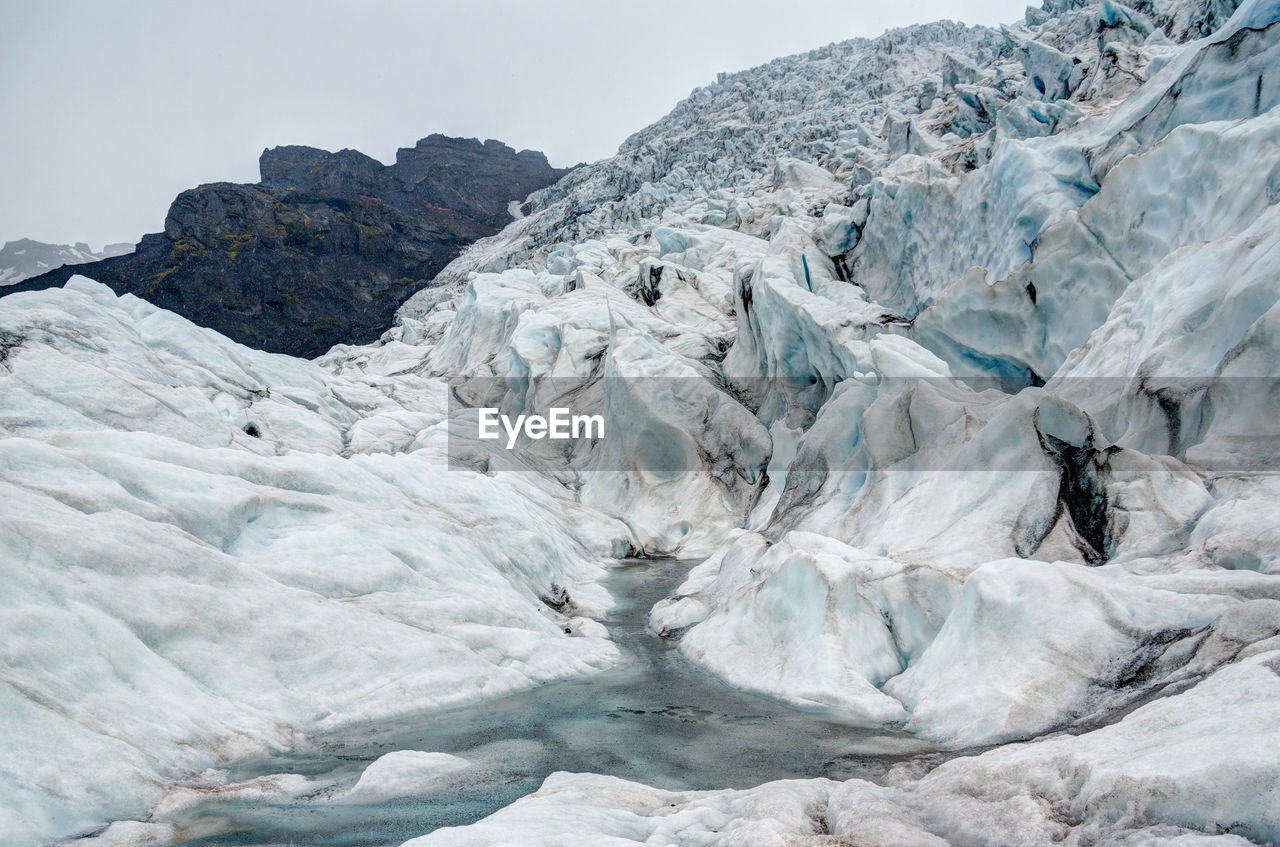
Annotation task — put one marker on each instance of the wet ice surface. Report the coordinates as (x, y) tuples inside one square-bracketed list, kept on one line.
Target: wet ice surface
[(656, 719)]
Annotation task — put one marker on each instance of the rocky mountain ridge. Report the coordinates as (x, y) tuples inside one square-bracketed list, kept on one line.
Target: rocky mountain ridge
[(325, 248)]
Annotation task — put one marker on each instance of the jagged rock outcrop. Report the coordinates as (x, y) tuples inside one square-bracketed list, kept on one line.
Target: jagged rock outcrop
[(325, 248)]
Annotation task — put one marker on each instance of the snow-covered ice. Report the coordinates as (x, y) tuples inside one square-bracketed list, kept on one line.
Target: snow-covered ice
[(180, 591), (403, 773), (953, 354)]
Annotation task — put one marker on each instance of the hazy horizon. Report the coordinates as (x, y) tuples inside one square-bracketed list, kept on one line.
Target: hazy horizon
[(111, 113)]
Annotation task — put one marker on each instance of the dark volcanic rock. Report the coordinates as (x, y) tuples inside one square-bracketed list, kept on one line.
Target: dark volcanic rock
[(326, 247)]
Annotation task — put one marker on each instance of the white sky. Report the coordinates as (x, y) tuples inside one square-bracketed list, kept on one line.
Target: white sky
[(109, 110)]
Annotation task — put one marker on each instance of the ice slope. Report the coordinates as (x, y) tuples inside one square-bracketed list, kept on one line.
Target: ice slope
[(868, 112), (180, 592)]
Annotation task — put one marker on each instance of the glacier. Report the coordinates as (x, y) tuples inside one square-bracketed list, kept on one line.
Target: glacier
[(951, 356)]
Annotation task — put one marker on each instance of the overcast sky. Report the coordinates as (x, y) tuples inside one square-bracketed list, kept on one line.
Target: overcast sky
[(110, 109)]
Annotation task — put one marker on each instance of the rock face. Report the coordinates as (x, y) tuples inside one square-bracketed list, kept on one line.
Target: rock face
[(25, 258), (327, 246)]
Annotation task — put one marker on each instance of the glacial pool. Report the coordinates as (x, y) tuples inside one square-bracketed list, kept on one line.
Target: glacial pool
[(656, 719)]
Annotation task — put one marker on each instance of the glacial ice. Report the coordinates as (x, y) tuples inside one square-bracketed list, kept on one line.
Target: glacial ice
[(402, 774), (1181, 770), (952, 353), (933, 560), (179, 592)]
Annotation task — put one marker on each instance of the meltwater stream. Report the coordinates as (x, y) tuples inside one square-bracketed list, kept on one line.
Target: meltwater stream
[(656, 719)]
